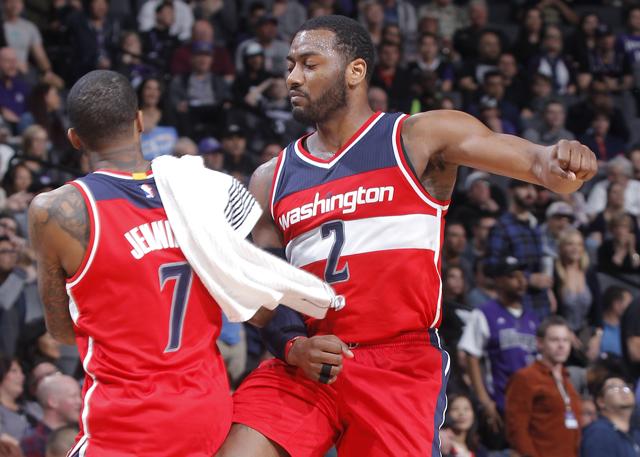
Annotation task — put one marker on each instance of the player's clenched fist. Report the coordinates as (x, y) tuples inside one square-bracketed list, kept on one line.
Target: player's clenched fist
[(573, 161), (320, 357)]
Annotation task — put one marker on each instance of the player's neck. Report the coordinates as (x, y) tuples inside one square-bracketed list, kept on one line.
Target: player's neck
[(335, 132), (122, 157)]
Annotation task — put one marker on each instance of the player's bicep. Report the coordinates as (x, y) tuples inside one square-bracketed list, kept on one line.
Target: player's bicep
[(265, 233)]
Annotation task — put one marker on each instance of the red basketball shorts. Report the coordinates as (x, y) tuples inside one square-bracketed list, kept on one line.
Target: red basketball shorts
[(389, 400)]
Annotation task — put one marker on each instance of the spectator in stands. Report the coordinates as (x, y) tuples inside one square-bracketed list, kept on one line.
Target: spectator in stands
[(589, 411), (270, 151), (59, 396), (476, 202), (619, 254), (394, 79), (106, 30), (199, 97), (253, 75), (529, 40), (130, 60), (185, 146), (551, 129), (291, 15), (615, 302), (237, 159), (429, 59), (24, 37), (461, 428), (480, 227), (465, 39), (13, 89), (275, 50), (450, 17), (541, 405), (501, 332), (13, 306), (45, 108), (577, 289), (599, 139), (484, 290), (599, 99), (607, 61), (373, 19), (598, 229), (14, 422), (634, 157), (552, 61), (182, 25), (515, 87), (559, 217), (629, 43), (402, 14), (222, 64), (541, 93), (517, 233), (490, 114), (631, 338), (455, 241), (473, 71), (17, 184), (159, 43), (212, 154), (583, 40), (611, 434), (378, 99), (493, 87), (60, 441), (555, 12), (158, 136), (619, 171), (35, 154), (39, 370)]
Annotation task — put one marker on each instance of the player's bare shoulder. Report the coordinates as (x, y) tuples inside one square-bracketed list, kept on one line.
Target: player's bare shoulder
[(262, 180), (63, 208)]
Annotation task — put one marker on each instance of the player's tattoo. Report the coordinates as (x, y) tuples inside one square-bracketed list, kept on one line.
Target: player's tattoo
[(67, 209), (56, 300)]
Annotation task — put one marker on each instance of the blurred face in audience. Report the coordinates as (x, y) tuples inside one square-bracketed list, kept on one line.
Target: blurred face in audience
[(554, 115), (270, 151), (378, 99), (39, 372), (589, 412), (607, 43), (267, 32), (634, 156), (494, 86), (8, 257), (600, 125), (391, 33), (99, 9), (571, 247), (558, 223), (131, 44), (541, 87), (552, 42), (489, 47), (555, 346), (533, 20), (151, 93), (615, 196), (507, 66), (512, 286), (12, 384), (428, 24), (429, 49), (389, 56), (478, 15), (374, 14), (600, 95), (235, 145), (455, 239), (590, 24), (38, 142), (634, 20), (8, 227), (52, 100), (165, 17), (482, 228), (461, 415), (616, 396), (524, 196), (278, 89), (13, 8), (22, 179), (201, 63), (454, 282), (49, 346), (621, 227), (617, 173), (8, 63), (202, 31)]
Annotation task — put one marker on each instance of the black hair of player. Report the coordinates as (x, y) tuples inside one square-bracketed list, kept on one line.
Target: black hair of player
[(102, 107), (351, 38)]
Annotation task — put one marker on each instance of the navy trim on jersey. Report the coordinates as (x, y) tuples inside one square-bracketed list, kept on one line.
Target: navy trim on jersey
[(141, 193), (373, 151)]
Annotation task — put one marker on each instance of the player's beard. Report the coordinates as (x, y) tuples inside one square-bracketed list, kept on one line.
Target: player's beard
[(318, 111)]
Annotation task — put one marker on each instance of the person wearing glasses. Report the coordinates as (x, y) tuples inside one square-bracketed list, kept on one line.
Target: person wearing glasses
[(611, 434)]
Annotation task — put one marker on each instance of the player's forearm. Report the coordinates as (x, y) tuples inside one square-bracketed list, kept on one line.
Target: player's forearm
[(284, 325)]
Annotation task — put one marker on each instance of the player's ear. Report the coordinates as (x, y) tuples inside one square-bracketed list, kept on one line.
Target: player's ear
[(356, 72), (139, 122), (74, 139)]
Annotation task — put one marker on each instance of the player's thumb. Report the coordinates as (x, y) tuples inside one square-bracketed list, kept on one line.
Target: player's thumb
[(346, 351)]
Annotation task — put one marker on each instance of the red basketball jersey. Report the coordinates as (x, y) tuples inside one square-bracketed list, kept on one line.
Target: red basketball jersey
[(364, 223), (146, 329)]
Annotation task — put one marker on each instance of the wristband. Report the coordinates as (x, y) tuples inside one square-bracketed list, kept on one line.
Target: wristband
[(289, 345)]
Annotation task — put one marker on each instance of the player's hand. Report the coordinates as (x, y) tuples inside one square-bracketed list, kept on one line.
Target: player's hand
[(572, 161), (310, 354)]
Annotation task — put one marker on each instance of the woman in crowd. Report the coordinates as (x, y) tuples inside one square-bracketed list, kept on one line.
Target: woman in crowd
[(529, 38), (459, 437), (45, 105), (17, 184), (598, 229), (619, 254), (158, 137), (13, 420), (581, 42)]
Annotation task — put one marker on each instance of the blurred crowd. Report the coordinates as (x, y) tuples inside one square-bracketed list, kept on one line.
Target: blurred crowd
[(540, 291)]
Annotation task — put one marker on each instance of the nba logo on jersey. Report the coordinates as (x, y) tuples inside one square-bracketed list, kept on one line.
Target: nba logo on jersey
[(148, 190)]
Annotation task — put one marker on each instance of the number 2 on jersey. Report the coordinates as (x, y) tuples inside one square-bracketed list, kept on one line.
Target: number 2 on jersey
[(182, 274), (330, 273)]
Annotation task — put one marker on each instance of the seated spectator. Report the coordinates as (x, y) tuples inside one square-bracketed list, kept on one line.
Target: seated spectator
[(494, 88), (13, 90), (275, 50), (252, 76), (270, 151), (158, 135), (394, 79), (212, 154), (555, 12), (615, 302), (619, 171), (450, 17), (476, 202), (541, 405), (222, 64), (24, 37), (40, 369), (619, 254), (477, 247), (378, 99), (582, 41), (199, 97), (60, 441), (629, 44), (502, 332), (529, 39), (600, 141), (401, 14), (182, 25), (552, 61), (611, 433), (185, 147), (59, 396), (599, 100), (634, 157), (45, 108), (159, 43), (14, 422), (13, 281), (551, 129), (291, 15), (484, 290), (35, 155), (515, 87), (607, 61), (372, 17), (589, 412), (465, 39), (460, 428), (541, 93), (490, 114), (473, 71), (130, 60), (598, 230), (429, 59), (559, 217), (237, 159), (455, 241), (17, 184)]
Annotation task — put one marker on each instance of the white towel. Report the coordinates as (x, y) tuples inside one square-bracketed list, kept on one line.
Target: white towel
[(211, 213)]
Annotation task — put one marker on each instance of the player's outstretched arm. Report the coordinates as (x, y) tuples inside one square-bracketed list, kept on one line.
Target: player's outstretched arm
[(59, 232), (461, 139)]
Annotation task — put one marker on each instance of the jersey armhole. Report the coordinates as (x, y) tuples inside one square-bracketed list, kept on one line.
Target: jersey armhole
[(94, 233)]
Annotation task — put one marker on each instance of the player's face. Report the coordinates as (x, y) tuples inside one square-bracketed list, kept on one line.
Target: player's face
[(315, 77), (556, 344)]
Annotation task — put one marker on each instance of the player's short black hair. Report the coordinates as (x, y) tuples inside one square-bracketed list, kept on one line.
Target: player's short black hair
[(102, 106), (352, 40)]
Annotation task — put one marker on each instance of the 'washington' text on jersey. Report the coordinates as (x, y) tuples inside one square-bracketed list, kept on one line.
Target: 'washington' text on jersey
[(146, 238), (347, 201)]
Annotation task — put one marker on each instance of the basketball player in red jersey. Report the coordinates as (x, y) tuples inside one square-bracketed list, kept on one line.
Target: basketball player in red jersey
[(360, 202), (114, 281)]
